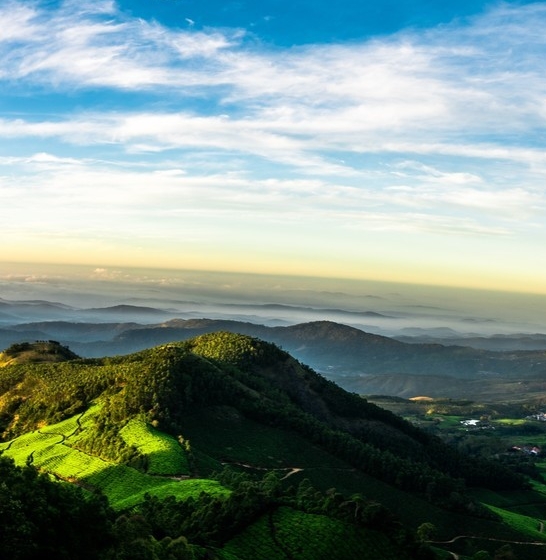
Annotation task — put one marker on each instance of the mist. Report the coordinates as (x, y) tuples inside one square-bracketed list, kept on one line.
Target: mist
[(376, 307)]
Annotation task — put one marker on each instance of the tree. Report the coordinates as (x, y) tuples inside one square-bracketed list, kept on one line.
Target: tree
[(41, 518), (426, 531)]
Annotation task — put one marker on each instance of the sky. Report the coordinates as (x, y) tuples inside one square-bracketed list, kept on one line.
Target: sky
[(399, 141)]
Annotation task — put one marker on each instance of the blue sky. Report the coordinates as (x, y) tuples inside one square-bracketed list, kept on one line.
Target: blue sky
[(296, 22), (400, 141)]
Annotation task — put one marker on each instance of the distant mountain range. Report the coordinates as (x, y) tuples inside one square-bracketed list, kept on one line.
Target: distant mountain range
[(496, 342), (12, 312), (414, 363)]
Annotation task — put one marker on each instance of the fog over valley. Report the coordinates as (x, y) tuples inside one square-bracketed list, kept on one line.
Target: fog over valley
[(85, 294)]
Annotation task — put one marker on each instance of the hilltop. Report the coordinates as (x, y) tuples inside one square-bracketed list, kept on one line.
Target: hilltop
[(359, 361), (36, 352), (244, 437)]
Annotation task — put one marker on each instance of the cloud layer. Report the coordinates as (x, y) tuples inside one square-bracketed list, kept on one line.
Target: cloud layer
[(123, 134)]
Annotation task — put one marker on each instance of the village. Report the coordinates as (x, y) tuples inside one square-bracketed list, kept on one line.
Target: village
[(527, 449)]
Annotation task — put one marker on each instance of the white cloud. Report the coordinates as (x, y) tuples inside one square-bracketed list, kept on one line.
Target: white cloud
[(21, 27), (448, 84), (422, 133), (56, 194), (92, 44)]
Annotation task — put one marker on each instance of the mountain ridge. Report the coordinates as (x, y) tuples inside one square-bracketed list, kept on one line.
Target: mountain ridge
[(223, 398), (346, 354)]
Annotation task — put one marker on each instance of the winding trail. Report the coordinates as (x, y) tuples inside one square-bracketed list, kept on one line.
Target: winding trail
[(30, 458), (10, 443), (294, 470), (64, 437), (289, 470), (459, 537)]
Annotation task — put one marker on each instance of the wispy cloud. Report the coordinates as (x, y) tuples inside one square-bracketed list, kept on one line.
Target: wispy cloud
[(437, 131), (92, 44)]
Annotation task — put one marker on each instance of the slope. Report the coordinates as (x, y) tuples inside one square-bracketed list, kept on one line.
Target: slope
[(358, 361), (236, 400)]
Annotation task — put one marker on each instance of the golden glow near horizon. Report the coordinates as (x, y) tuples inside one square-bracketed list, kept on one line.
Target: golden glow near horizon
[(248, 296), (208, 149), (407, 258), (492, 280)]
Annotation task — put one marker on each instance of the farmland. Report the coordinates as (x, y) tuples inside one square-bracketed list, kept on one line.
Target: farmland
[(51, 449), (287, 533)]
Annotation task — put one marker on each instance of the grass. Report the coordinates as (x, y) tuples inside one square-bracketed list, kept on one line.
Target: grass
[(524, 512), (218, 435), (287, 533), (126, 487), (449, 421), (511, 421), (221, 434), (165, 453), (542, 468), (226, 435), (49, 450), (528, 526)]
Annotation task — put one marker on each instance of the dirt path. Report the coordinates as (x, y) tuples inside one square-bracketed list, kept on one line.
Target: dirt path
[(459, 537), (289, 470), (294, 470)]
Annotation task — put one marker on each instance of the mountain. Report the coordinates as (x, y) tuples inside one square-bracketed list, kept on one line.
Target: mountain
[(497, 342), (338, 348), (70, 331), (225, 446), (13, 313), (133, 311), (359, 361), (16, 311)]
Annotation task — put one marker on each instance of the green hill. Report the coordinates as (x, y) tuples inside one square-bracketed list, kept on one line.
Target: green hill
[(36, 352), (224, 445)]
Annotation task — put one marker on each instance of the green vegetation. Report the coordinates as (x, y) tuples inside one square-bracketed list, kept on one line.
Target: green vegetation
[(532, 528), (54, 450), (37, 352), (166, 456), (225, 446), (295, 534), (43, 519)]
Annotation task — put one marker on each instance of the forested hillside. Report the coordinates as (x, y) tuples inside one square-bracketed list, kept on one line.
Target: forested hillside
[(223, 439), (358, 361)]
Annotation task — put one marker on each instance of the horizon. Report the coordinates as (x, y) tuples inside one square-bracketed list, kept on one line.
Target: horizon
[(396, 143), (386, 308)]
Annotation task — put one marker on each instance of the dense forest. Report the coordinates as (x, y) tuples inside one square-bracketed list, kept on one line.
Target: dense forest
[(221, 398)]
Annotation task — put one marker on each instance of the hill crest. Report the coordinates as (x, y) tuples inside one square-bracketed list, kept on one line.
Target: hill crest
[(36, 352)]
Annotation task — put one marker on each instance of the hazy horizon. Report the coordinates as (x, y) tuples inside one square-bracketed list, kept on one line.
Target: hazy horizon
[(380, 307)]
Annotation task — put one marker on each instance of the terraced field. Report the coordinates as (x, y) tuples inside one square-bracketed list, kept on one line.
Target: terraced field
[(50, 449), (286, 533), (166, 455)]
